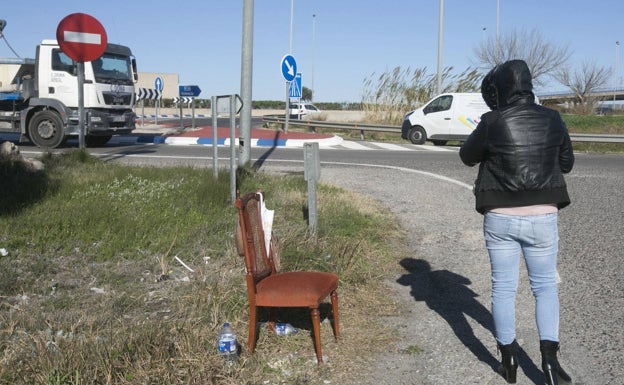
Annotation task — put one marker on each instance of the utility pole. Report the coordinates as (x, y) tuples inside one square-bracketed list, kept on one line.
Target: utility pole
[(440, 29), (246, 81), (313, 52), (615, 72)]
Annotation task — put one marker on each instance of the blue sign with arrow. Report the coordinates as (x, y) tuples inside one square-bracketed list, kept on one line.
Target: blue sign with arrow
[(193, 91), (289, 67), (158, 84)]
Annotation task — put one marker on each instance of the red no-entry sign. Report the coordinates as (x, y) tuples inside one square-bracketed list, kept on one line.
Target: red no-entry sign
[(81, 37)]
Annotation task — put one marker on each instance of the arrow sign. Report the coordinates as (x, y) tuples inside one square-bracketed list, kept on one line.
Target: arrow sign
[(81, 37), (193, 91), (289, 67), (146, 93), (158, 83)]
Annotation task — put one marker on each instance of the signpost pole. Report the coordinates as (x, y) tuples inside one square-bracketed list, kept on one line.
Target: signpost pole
[(287, 112), (181, 113), (81, 111), (232, 147), (215, 136), (193, 112)]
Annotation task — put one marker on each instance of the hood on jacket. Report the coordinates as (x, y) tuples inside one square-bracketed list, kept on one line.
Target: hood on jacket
[(507, 83)]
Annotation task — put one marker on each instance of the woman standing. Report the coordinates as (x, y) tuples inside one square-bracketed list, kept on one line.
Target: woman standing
[(523, 149)]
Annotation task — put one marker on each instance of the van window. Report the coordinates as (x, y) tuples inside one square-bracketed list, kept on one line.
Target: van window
[(443, 103)]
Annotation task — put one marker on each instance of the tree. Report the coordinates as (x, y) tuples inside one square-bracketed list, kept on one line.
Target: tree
[(584, 83), (542, 57), (306, 93)]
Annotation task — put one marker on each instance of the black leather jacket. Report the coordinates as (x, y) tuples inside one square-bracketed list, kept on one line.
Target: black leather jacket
[(523, 148)]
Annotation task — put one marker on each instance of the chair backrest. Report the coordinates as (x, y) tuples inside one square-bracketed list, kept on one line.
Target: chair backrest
[(258, 263)]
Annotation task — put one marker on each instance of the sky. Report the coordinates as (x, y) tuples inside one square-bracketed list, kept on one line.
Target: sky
[(338, 43)]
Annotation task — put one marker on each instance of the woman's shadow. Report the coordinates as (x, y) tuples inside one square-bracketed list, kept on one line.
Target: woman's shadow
[(448, 294)]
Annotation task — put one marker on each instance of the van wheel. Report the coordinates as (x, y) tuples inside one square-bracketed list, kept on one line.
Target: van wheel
[(46, 129), (417, 135)]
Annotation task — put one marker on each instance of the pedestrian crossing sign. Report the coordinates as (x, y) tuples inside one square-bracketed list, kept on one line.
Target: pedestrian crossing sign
[(294, 91)]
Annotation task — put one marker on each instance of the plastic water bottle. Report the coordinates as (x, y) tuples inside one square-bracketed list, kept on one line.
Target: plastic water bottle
[(284, 329), (228, 346)]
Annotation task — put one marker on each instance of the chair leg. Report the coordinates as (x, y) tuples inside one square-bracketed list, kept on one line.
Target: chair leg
[(336, 323), (253, 328), (316, 325), (272, 319)]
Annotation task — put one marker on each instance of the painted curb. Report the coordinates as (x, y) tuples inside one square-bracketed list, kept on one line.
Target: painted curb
[(203, 141)]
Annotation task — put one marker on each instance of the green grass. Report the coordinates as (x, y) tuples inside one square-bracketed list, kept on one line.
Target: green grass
[(593, 124), (90, 291)]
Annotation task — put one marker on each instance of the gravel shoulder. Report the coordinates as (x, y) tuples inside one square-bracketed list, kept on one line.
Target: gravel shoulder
[(443, 287)]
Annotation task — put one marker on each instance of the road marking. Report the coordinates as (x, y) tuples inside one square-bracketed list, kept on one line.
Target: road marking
[(351, 145), (433, 148), (390, 146)]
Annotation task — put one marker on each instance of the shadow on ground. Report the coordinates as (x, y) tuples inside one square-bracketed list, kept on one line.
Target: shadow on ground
[(449, 295)]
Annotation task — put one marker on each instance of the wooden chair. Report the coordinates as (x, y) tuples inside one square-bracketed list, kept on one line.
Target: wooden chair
[(267, 287)]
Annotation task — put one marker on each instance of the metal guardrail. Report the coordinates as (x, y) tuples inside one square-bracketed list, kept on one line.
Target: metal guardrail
[(312, 124)]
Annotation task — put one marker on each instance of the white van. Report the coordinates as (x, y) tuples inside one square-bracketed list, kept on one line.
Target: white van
[(451, 116)]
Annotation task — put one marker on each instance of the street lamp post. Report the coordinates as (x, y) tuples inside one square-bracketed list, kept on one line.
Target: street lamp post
[(287, 86), (615, 71), (440, 29), (313, 52), (498, 50)]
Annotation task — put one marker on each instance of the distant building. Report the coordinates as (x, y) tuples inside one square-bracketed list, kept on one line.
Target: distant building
[(170, 83)]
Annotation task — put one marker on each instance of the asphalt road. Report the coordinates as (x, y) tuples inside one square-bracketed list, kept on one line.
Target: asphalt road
[(443, 285), (446, 307)]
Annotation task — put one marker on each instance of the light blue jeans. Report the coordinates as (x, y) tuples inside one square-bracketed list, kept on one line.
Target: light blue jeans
[(507, 237)]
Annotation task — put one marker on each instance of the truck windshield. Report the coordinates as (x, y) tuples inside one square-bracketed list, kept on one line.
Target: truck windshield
[(112, 68)]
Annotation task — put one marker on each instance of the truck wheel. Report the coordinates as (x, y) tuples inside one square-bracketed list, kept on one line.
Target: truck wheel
[(46, 129), (97, 141), (417, 135)]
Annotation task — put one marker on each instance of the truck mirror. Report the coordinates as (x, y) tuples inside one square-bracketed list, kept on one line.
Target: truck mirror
[(134, 70)]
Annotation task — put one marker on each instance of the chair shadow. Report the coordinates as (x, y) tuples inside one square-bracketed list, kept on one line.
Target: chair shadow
[(448, 294)]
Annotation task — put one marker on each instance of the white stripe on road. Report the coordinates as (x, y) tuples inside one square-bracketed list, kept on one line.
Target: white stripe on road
[(432, 148), (391, 146), (353, 145)]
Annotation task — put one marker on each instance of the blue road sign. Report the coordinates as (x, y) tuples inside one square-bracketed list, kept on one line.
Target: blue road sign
[(189, 91), (158, 84), (289, 67), (294, 91)]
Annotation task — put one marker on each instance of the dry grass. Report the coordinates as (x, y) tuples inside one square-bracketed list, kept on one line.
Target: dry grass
[(71, 316)]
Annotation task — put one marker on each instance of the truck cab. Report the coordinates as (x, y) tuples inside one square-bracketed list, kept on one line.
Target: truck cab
[(451, 116), (44, 102)]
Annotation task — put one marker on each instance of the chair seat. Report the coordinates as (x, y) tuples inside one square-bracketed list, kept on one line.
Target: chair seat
[(295, 289)]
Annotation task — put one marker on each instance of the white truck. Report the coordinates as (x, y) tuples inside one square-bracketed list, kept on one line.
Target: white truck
[(451, 116), (39, 97)]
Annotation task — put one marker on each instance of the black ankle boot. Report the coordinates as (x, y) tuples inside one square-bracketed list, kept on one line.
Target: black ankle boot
[(550, 365), (509, 361)]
